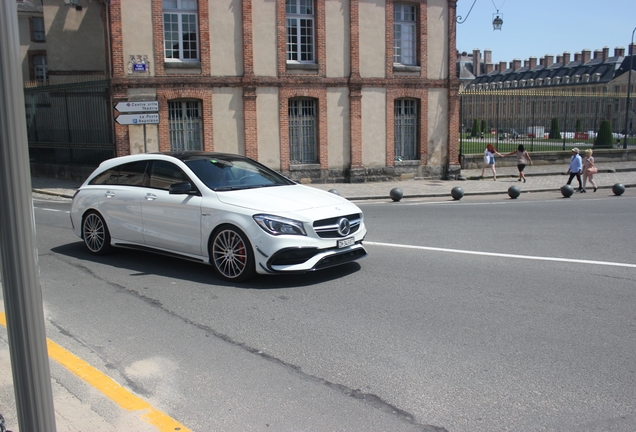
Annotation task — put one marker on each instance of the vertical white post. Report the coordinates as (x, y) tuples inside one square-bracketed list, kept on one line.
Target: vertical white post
[(18, 249)]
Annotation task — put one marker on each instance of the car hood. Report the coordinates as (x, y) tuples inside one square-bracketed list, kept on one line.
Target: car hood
[(277, 199)]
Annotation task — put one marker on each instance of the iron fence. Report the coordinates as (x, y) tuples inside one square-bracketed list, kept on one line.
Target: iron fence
[(70, 124), (541, 121)]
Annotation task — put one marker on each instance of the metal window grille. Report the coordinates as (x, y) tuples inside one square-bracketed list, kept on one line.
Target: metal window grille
[(302, 131), (405, 129), (185, 124), (180, 30), (404, 36), (300, 30)]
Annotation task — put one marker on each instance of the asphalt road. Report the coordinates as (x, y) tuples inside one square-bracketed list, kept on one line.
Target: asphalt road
[(476, 315)]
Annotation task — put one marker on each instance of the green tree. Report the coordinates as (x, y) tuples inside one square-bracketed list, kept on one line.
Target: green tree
[(484, 128), (604, 136), (578, 127), (475, 132), (555, 131)]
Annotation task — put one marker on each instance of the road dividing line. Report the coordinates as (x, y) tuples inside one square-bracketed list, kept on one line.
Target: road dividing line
[(110, 388), (501, 255)]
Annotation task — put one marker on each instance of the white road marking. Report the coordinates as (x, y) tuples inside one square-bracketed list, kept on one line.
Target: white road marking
[(501, 255), (52, 210)]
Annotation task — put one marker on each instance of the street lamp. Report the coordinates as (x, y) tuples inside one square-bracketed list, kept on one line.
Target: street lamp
[(629, 86), (497, 21)]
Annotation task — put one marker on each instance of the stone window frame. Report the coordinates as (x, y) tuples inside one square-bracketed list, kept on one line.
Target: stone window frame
[(318, 68), (421, 12), (201, 67), (320, 95), (421, 95)]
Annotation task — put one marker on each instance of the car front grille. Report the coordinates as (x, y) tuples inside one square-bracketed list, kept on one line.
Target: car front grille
[(328, 228)]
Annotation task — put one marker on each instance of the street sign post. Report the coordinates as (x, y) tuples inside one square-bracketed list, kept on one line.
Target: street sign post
[(137, 119), (145, 106)]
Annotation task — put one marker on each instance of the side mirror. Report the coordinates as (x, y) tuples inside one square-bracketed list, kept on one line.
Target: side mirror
[(184, 188)]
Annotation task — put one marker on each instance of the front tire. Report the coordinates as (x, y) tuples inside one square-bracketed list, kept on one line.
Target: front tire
[(231, 254), (95, 234)]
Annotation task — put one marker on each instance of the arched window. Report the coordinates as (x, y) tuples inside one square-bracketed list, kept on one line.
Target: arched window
[(302, 131), (185, 124), (405, 129)]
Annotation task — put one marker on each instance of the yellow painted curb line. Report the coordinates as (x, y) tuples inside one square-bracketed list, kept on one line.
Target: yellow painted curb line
[(110, 388)]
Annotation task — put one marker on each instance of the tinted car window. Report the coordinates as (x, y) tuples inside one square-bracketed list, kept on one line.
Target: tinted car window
[(133, 174), (163, 174), (108, 177)]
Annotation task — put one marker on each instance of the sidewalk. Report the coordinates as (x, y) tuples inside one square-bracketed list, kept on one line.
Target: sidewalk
[(541, 178)]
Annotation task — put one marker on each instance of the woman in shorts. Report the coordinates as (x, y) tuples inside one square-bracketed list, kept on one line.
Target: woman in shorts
[(523, 159)]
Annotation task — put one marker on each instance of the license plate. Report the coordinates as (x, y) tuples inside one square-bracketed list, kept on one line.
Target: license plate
[(346, 242)]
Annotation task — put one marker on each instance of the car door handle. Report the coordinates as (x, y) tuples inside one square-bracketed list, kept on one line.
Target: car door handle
[(151, 197), (109, 194)]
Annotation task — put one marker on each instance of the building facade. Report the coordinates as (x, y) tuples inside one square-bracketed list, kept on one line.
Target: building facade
[(584, 90), (321, 90)]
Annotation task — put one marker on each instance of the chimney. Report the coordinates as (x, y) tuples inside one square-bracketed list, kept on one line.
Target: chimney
[(541, 61), (605, 53), (566, 58), (489, 67), (502, 67), (632, 49), (586, 55), (549, 60), (598, 54), (533, 62), (487, 56), (578, 56), (619, 52), (560, 59), (476, 62), (516, 64)]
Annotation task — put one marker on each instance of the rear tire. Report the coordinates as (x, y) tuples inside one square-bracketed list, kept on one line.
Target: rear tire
[(231, 254), (95, 234)]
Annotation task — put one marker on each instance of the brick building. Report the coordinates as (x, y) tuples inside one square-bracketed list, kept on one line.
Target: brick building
[(321, 90)]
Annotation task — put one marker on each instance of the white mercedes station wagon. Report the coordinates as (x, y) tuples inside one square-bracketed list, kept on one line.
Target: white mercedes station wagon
[(220, 209)]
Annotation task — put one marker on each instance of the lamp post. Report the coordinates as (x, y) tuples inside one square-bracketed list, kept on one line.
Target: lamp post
[(629, 87)]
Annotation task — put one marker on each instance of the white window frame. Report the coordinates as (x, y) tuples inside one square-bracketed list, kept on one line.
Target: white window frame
[(299, 19), (405, 34), (180, 14), (405, 129), (185, 123)]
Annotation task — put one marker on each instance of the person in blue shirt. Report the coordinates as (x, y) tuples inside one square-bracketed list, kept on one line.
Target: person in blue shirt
[(576, 167)]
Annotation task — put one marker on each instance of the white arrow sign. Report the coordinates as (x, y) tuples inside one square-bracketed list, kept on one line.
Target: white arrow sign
[(148, 106), (136, 119)]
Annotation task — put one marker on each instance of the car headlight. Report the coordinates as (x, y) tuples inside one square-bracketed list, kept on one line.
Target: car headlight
[(276, 225)]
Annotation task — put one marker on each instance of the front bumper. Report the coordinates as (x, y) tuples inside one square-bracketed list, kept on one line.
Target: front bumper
[(305, 259)]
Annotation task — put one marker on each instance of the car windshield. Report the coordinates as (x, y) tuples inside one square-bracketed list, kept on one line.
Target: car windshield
[(224, 174)]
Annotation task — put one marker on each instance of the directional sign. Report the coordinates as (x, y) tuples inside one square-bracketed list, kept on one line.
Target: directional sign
[(147, 106), (137, 119)]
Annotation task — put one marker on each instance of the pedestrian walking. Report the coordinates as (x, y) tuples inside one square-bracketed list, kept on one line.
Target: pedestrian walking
[(489, 160), (523, 159), (589, 169), (576, 166)]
